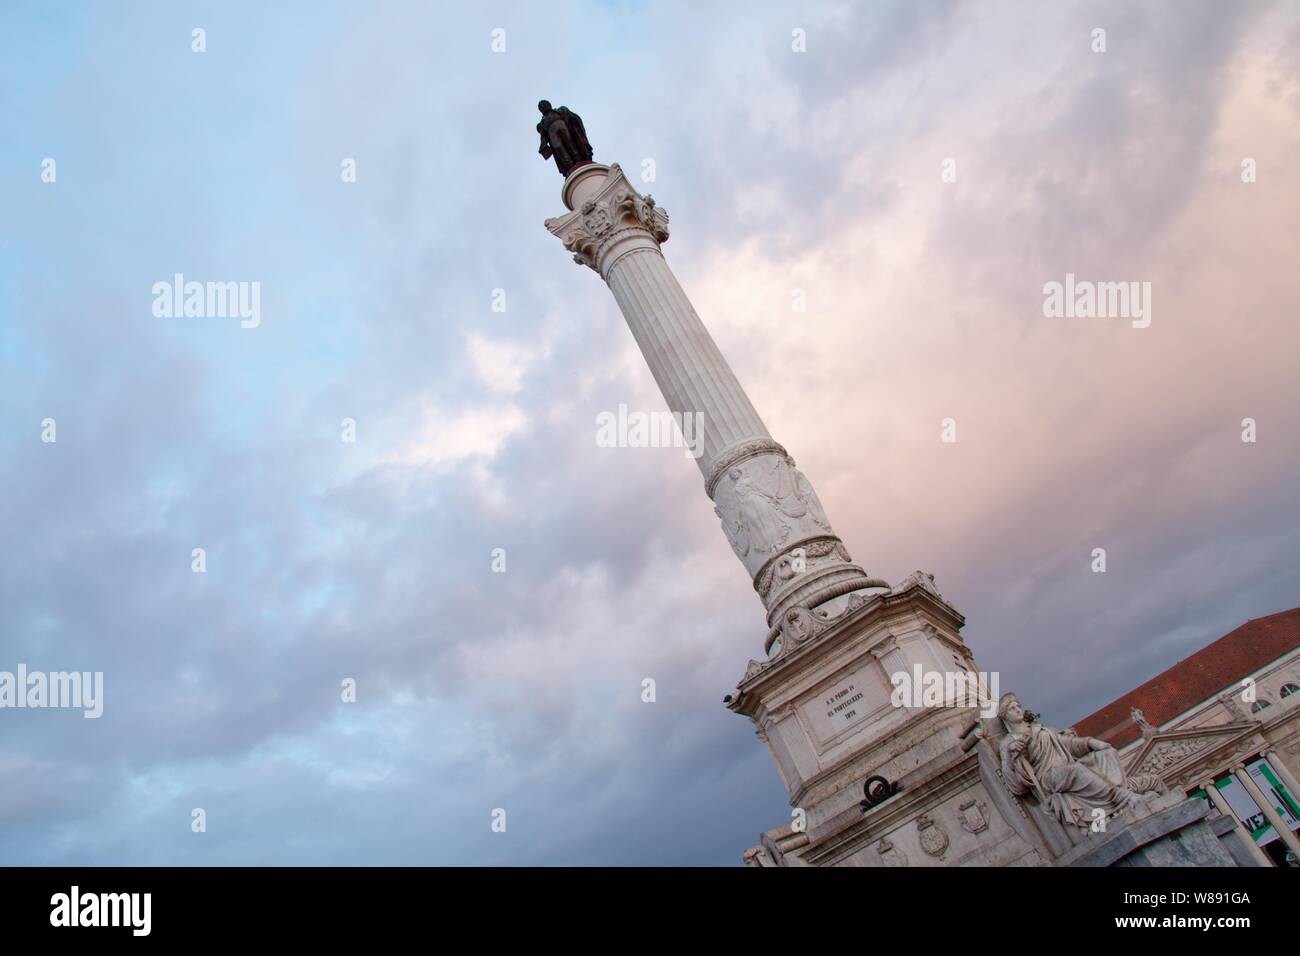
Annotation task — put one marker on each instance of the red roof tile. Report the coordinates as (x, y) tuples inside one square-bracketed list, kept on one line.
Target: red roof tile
[(1194, 679)]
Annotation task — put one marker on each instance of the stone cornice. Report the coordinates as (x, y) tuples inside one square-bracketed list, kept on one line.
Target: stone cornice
[(790, 662), (776, 680), (929, 792)]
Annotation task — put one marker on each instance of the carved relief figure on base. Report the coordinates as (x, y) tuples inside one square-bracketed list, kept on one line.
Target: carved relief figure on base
[(1071, 776), (757, 525), (766, 504)]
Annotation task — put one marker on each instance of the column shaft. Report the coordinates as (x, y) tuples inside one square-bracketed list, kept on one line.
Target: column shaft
[(1218, 800), (683, 358), (1284, 774), (1266, 805), (769, 512)]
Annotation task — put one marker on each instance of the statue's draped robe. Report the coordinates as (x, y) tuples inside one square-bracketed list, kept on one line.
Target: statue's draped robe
[(1076, 778)]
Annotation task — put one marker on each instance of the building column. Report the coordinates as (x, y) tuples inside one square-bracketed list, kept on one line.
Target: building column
[(1266, 805), (1217, 799), (1275, 761), (769, 511)]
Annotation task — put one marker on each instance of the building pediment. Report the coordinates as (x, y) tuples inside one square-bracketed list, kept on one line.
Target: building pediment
[(1167, 752)]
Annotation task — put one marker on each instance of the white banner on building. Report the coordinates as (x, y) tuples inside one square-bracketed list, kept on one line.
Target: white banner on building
[(1248, 811)]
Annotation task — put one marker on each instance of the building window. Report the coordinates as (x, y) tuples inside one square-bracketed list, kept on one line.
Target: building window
[(1259, 705), (1289, 689)]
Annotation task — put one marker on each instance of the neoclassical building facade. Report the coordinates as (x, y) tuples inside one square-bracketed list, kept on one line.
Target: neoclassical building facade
[(1224, 725)]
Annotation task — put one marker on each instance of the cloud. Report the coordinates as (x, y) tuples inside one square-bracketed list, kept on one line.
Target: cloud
[(500, 366), (443, 439)]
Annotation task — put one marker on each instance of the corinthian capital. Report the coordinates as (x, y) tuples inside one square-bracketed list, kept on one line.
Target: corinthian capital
[(611, 218)]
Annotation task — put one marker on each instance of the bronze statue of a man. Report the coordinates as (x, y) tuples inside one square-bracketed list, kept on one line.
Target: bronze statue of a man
[(563, 137)]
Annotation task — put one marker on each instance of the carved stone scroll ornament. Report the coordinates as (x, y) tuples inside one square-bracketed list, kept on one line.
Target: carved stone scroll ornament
[(645, 211)]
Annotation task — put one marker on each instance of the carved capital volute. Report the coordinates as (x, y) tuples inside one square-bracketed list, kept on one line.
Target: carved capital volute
[(611, 221)]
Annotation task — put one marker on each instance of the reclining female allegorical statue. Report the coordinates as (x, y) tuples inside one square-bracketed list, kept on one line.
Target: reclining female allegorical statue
[(1073, 777)]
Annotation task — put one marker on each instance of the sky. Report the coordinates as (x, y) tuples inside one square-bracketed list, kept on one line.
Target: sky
[(917, 172)]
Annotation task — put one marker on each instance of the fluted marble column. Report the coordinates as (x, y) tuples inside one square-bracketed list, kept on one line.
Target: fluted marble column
[(1266, 805), (1283, 772), (769, 512), (1221, 802)]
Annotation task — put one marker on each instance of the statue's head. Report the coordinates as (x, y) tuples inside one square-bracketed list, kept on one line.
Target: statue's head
[(1009, 707), (544, 106)]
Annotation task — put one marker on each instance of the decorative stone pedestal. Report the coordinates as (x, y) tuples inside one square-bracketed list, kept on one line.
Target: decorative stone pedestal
[(1176, 832), (822, 704)]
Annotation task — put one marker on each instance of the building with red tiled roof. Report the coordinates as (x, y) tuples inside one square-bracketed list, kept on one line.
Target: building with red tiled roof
[(1212, 670), (1224, 724)]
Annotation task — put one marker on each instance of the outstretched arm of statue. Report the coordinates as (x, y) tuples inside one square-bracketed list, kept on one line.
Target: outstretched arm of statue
[(1082, 746)]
